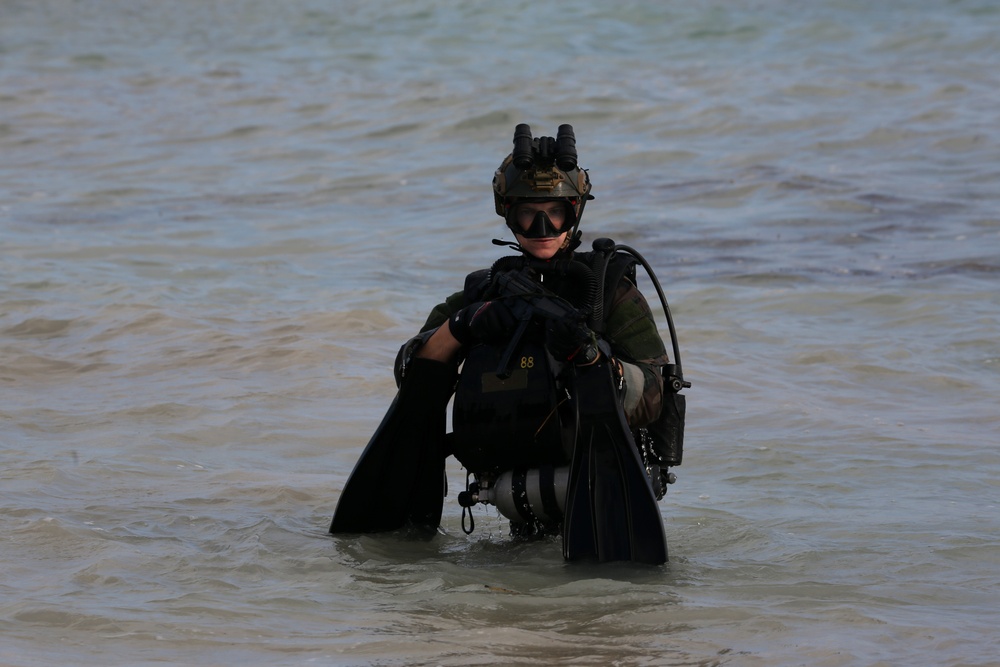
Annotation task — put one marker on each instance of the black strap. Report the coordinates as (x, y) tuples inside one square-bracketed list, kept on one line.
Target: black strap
[(547, 481), (465, 508)]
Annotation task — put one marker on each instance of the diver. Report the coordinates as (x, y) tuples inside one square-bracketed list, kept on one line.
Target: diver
[(566, 412)]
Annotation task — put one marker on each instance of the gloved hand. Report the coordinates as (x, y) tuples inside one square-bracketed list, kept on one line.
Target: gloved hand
[(569, 340), (482, 321)]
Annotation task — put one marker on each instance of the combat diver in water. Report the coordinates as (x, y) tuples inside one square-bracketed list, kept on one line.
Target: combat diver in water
[(567, 414)]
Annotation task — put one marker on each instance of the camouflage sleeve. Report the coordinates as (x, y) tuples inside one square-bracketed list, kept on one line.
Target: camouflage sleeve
[(439, 315), (631, 331), (441, 312), (475, 284)]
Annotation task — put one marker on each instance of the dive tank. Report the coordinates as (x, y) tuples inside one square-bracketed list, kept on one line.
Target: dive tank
[(536, 494)]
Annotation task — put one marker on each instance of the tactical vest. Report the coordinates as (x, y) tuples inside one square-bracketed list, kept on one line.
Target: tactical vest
[(520, 421)]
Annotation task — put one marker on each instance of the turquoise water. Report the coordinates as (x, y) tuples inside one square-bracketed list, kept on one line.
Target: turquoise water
[(219, 220)]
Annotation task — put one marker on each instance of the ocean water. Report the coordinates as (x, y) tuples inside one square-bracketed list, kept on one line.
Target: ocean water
[(219, 220)]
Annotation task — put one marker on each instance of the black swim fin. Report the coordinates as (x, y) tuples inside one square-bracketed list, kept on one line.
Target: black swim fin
[(400, 478), (611, 511)]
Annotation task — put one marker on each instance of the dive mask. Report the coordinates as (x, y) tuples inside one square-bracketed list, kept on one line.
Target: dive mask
[(541, 228)]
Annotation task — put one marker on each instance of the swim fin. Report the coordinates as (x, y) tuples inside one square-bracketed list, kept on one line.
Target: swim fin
[(611, 512), (400, 478)]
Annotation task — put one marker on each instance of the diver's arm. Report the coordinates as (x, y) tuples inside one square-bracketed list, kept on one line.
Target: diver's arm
[(441, 349), (441, 346), (637, 345), (435, 339), (643, 397), (634, 381)]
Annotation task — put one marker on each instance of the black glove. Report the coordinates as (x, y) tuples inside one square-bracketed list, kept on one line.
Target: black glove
[(569, 340), (483, 321)]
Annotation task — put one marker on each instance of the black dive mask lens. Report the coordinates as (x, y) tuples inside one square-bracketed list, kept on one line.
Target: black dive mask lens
[(541, 228)]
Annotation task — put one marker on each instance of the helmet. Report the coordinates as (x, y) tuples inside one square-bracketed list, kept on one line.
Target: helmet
[(541, 169)]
